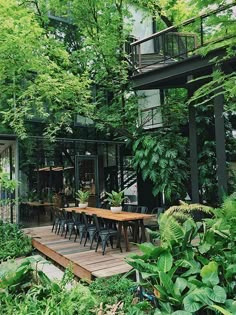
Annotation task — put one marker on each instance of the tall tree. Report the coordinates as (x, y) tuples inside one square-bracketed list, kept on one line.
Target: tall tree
[(35, 74)]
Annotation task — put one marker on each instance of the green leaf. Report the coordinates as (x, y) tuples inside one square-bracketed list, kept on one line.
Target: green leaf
[(231, 305), (146, 275), (230, 271), (204, 248), (180, 285), (197, 299), (220, 309), (182, 313), (218, 294), (190, 305), (167, 282), (165, 261), (209, 274), (149, 250), (162, 292)]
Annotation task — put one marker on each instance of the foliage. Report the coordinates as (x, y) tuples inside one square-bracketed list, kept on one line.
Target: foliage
[(162, 158), (43, 295), (112, 290), (194, 268), (115, 198), (168, 13), (36, 77), (13, 242), (57, 64), (83, 196), (97, 50), (16, 278), (8, 185), (27, 290)]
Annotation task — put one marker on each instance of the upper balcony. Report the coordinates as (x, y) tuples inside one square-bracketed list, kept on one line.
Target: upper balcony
[(179, 46)]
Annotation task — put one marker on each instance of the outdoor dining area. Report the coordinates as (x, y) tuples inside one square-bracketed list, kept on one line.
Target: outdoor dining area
[(98, 226), (94, 241)]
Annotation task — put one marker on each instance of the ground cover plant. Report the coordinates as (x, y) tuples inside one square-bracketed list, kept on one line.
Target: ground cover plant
[(13, 242), (26, 290), (193, 270), (115, 290)]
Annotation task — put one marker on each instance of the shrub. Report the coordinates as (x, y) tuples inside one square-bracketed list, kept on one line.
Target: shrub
[(193, 270), (113, 290), (13, 242), (42, 296)]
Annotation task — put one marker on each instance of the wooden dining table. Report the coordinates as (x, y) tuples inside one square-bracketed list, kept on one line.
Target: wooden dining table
[(121, 218)]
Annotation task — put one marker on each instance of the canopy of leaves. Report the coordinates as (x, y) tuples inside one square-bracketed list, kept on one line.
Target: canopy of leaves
[(35, 76)]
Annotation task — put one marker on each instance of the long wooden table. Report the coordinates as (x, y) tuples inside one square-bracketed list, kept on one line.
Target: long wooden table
[(122, 218)]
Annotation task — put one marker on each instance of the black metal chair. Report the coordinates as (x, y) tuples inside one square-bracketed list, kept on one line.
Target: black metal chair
[(142, 209), (134, 225), (153, 225), (57, 218), (64, 220), (88, 231), (157, 211), (130, 208), (104, 235), (75, 225)]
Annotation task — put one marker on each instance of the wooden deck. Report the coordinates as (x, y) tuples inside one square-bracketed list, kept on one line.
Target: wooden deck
[(86, 263)]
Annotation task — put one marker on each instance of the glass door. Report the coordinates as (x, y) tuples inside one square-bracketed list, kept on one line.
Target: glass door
[(87, 177)]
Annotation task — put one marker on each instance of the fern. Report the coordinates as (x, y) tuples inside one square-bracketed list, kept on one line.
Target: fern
[(171, 231), (186, 208), (171, 223), (229, 207)]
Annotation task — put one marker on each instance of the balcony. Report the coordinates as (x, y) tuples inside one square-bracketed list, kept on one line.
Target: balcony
[(182, 43)]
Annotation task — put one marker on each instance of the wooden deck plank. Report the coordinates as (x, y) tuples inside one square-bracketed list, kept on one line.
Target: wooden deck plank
[(108, 272), (102, 265), (63, 261), (85, 263)]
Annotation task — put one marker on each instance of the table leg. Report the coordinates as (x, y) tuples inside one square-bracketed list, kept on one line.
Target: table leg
[(125, 227), (126, 237), (119, 234), (143, 236)]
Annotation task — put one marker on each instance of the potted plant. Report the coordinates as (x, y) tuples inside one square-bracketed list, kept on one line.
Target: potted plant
[(83, 197), (115, 199)]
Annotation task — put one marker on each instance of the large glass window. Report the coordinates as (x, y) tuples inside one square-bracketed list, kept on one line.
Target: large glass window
[(50, 174)]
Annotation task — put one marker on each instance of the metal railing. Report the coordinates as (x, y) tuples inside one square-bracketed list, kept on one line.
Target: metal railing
[(180, 42), (151, 117)]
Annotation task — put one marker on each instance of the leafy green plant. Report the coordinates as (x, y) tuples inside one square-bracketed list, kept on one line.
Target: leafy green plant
[(115, 198), (162, 159), (43, 295), (114, 290), (193, 268), (82, 196), (13, 242)]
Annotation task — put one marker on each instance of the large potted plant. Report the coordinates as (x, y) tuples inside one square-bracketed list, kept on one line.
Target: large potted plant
[(83, 197), (115, 199)]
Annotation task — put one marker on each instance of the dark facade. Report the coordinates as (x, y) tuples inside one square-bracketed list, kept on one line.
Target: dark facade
[(177, 64)]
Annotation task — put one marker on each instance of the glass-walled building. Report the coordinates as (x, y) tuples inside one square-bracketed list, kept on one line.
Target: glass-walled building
[(51, 173)]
